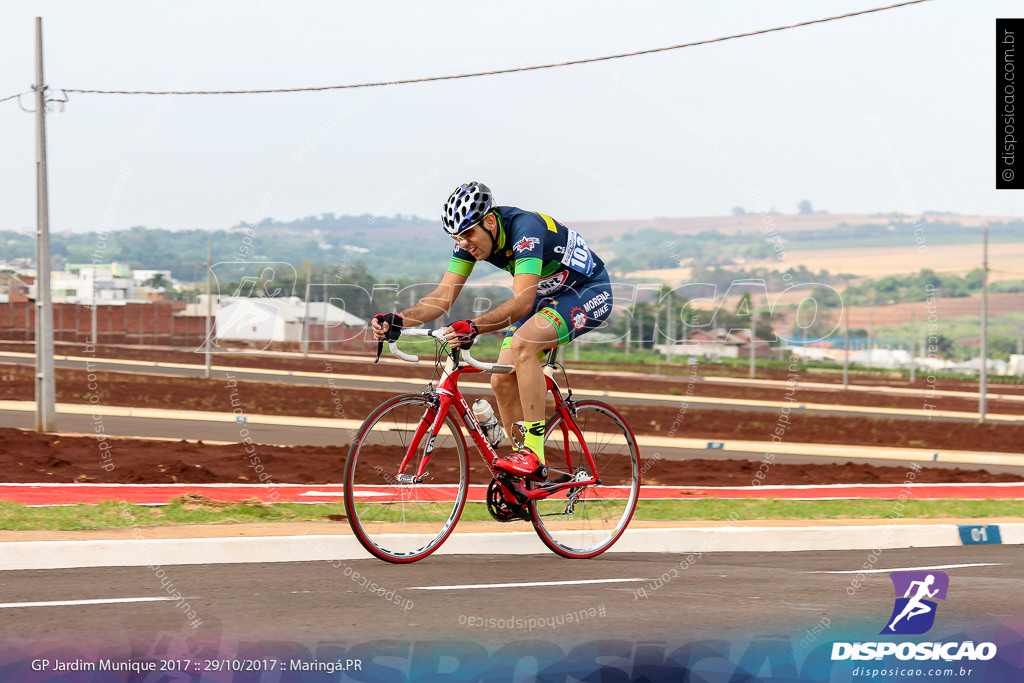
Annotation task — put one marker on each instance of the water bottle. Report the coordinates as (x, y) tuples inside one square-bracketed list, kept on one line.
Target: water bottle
[(484, 414)]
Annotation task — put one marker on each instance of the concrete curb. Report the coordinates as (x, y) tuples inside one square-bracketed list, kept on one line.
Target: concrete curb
[(140, 552)]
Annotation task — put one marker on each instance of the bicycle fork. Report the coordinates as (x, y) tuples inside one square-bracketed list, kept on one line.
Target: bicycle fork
[(429, 426)]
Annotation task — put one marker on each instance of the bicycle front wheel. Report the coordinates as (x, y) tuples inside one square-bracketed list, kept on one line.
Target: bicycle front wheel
[(394, 517), (584, 522)]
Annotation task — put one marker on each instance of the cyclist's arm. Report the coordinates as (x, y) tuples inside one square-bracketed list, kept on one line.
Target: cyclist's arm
[(435, 304), (524, 288)]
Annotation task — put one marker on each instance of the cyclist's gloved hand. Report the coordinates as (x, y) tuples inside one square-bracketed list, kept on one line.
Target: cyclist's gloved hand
[(391, 334), (466, 331), (394, 330)]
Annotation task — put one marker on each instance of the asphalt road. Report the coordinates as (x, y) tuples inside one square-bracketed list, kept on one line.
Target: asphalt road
[(386, 615)]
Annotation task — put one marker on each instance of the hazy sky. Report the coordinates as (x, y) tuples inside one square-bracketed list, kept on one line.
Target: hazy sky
[(890, 111)]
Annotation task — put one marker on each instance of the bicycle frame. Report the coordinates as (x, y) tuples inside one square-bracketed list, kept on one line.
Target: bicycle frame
[(449, 394)]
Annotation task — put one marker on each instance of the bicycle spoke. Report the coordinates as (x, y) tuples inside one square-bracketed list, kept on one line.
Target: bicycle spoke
[(395, 516), (585, 521)]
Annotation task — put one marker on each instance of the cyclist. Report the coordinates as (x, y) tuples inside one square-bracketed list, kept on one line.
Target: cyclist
[(560, 291)]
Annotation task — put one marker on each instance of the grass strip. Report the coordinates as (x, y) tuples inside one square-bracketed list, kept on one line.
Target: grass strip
[(112, 515)]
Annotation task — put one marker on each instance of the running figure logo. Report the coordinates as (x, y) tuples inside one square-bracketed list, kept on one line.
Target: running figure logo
[(913, 614)]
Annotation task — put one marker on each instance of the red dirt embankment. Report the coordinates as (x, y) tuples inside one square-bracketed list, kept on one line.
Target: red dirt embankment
[(32, 457)]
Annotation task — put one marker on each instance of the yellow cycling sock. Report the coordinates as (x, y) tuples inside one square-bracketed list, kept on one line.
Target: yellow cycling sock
[(534, 438)]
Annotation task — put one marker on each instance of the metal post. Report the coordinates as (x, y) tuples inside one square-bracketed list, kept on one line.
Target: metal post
[(983, 387), (922, 343), (871, 334), (913, 331), (46, 390), (305, 318), (323, 335), (846, 347), (751, 333), (640, 342), (670, 329), (209, 307)]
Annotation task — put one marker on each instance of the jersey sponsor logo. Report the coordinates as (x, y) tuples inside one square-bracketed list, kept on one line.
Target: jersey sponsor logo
[(552, 284), (578, 317), (596, 301), (525, 244), (555, 320)]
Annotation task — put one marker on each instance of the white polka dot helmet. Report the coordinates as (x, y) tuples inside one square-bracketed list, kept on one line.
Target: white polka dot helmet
[(466, 207)]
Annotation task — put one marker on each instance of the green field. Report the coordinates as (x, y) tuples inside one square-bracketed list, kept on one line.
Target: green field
[(111, 515)]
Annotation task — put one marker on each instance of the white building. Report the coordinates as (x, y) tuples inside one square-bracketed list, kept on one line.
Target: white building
[(141, 277), (108, 283), (276, 319)]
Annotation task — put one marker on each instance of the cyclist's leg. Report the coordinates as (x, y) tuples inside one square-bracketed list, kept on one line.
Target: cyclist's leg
[(559, 320), (506, 387), (532, 338)]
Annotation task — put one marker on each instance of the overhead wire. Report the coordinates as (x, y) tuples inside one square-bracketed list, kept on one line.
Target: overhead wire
[(11, 97), (497, 71)]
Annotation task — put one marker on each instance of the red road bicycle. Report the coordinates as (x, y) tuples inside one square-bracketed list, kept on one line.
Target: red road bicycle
[(407, 473)]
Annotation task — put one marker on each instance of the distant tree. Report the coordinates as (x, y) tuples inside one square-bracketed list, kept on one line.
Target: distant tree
[(805, 206), (157, 281), (941, 345), (743, 306), (739, 211), (826, 297)]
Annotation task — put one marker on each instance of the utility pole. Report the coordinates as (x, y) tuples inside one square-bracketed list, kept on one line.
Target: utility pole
[(209, 306), (46, 389), (983, 388)]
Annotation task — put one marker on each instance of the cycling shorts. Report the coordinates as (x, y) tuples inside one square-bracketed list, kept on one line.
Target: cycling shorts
[(573, 311)]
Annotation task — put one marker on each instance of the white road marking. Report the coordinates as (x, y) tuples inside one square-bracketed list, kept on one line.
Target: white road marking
[(64, 603), (911, 569), (518, 585)]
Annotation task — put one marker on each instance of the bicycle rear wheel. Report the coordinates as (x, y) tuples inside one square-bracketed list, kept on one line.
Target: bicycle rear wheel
[(395, 518), (584, 522)]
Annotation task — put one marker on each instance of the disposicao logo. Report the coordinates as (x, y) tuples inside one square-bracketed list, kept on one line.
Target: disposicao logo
[(913, 614)]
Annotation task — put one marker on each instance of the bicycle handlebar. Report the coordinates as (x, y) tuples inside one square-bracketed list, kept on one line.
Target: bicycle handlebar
[(411, 332), (439, 335)]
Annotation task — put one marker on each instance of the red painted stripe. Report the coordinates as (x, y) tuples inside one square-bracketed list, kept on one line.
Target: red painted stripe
[(64, 494)]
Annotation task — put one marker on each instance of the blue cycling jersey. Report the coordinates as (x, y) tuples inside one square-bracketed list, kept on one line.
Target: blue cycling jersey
[(530, 242)]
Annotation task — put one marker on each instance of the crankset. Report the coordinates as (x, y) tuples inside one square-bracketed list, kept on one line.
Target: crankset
[(502, 506)]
